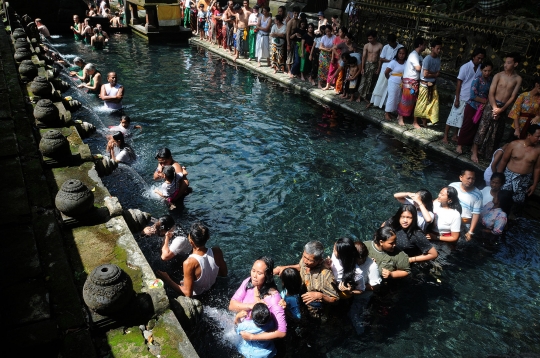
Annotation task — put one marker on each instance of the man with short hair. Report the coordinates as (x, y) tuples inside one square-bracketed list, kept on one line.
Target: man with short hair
[(291, 25), (165, 226), (410, 83), (502, 93), (370, 65), (319, 281), (388, 53), (201, 268), (470, 199), (42, 28), (521, 165), (241, 25), (115, 21), (427, 106), (112, 92)]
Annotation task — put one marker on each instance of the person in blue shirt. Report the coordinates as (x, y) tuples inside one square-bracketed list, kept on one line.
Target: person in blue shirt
[(260, 322)]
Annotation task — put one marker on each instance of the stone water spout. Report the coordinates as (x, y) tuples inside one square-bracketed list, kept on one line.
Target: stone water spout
[(136, 219), (47, 114), (54, 145), (74, 199), (28, 70), (41, 87), (107, 289)]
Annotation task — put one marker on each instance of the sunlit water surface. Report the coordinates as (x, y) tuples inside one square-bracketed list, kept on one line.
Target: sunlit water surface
[(271, 170)]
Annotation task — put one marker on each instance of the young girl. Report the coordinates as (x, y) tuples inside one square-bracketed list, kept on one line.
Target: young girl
[(292, 284), (260, 322), (495, 215), (351, 80), (392, 262), (410, 238), (171, 186), (346, 271), (448, 210), (201, 22), (423, 201)]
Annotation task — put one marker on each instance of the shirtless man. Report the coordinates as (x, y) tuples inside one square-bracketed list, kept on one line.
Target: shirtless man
[(521, 165), (241, 25), (370, 65), (115, 21), (228, 23), (502, 93), (246, 8), (291, 25)]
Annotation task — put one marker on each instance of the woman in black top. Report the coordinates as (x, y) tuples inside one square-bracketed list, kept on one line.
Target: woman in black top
[(305, 51), (410, 238)]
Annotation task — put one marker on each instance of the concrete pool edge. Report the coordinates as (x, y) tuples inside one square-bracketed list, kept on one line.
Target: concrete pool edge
[(428, 139)]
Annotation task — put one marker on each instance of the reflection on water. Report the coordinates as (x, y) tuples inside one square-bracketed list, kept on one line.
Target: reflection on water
[(272, 170)]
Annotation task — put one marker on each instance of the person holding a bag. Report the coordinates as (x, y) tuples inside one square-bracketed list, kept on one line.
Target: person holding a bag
[(475, 106)]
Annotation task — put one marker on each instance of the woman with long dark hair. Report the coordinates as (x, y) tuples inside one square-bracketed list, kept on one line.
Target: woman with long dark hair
[(344, 266), (260, 287), (448, 210), (423, 201), (410, 238), (119, 150)]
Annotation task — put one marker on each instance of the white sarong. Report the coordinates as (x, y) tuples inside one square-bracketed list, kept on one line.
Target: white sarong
[(455, 119)]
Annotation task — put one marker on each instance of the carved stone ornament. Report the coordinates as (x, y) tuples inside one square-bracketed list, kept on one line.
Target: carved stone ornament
[(74, 198), (22, 43), (40, 86), (47, 113), (22, 54), (107, 289), (28, 70), (19, 33), (53, 144)]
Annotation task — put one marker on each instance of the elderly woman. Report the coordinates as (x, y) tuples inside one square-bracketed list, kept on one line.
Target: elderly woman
[(260, 287), (94, 84)]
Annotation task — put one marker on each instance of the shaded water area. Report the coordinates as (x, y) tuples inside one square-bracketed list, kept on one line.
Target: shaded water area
[(271, 170)]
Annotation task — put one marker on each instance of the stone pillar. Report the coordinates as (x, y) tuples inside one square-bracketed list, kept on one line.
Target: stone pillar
[(127, 14), (134, 14), (152, 24)]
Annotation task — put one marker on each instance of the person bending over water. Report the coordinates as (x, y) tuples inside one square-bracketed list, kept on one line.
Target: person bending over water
[(165, 226), (392, 262), (112, 92), (410, 238), (260, 288), (495, 216), (261, 322), (201, 268), (448, 210), (78, 70), (119, 150), (170, 188), (423, 201), (94, 84), (164, 157)]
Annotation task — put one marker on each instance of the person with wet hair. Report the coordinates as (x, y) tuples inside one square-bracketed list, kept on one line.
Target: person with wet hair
[(170, 189), (119, 151), (165, 227), (448, 210), (346, 272), (260, 287), (260, 322), (292, 288), (94, 84), (201, 268), (125, 127), (164, 157), (495, 184), (423, 201), (410, 238), (392, 262)]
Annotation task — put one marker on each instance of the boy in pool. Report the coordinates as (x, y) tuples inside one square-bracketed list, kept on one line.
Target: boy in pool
[(124, 127), (260, 322)]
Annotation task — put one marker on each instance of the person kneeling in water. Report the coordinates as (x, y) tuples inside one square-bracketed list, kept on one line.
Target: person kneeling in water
[(119, 151), (170, 189)]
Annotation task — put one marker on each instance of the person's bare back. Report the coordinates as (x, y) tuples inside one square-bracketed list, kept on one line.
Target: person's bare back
[(373, 51)]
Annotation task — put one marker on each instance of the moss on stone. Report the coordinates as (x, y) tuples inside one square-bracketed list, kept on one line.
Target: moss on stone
[(120, 259), (127, 343)]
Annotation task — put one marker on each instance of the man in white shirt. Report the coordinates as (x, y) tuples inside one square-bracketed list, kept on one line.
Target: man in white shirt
[(470, 199), (389, 51), (467, 73)]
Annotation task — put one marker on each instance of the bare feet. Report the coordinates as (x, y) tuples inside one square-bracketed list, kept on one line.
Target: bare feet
[(454, 138), (258, 64), (326, 88), (459, 150), (445, 140), (387, 116), (474, 158), (369, 105), (416, 125), (400, 122), (235, 58)]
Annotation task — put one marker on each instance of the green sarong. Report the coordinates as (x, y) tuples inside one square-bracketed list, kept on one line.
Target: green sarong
[(252, 41), (187, 20), (77, 36)]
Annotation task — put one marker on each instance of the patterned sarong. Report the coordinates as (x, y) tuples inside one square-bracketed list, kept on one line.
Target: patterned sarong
[(490, 131), (518, 184), (367, 79), (277, 57), (408, 97), (324, 64), (427, 105)]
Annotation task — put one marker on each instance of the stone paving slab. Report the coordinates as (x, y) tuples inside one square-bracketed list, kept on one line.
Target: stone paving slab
[(14, 203), (8, 142), (24, 303), (19, 254)]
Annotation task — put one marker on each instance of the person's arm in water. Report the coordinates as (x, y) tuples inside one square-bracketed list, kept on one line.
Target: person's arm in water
[(110, 148), (166, 253), (474, 222), (220, 262), (158, 192), (265, 336), (431, 255)]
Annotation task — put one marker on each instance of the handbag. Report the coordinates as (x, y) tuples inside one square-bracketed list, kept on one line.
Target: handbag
[(478, 114)]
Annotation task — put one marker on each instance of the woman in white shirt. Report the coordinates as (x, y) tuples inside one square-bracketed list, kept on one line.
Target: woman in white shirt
[(491, 190), (448, 211)]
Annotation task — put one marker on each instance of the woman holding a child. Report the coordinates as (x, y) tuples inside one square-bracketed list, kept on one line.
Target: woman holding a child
[(260, 287)]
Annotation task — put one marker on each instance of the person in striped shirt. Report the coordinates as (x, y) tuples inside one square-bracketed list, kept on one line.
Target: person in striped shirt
[(470, 199)]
